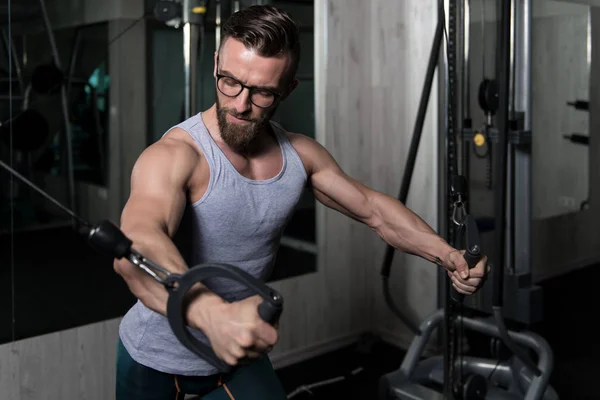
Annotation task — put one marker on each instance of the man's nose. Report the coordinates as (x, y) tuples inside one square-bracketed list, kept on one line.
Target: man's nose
[(242, 101)]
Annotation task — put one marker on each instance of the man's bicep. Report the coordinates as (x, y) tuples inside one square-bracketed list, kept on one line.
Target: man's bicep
[(158, 190), (148, 210)]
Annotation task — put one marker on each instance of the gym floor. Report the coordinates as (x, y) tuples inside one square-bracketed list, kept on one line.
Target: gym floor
[(359, 365)]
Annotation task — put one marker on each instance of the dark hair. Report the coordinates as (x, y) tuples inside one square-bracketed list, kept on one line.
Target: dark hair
[(266, 29)]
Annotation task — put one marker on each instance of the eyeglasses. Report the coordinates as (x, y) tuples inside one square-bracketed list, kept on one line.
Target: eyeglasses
[(231, 87)]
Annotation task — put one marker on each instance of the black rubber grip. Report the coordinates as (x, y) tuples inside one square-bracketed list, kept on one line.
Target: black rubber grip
[(472, 258), (108, 239), (472, 252), (269, 310)]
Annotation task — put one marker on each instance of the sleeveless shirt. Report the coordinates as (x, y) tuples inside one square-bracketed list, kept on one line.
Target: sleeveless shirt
[(238, 221)]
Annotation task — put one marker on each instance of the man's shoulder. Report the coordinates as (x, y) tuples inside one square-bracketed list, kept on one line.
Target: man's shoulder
[(177, 142), (171, 152), (309, 149), (300, 139)]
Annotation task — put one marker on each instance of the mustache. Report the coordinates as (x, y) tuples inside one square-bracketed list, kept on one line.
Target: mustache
[(242, 116)]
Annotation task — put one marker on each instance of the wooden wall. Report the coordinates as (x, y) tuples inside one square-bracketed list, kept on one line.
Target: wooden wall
[(401, 40), (376, 56), (331, 306), (69, 365), (376, 62)]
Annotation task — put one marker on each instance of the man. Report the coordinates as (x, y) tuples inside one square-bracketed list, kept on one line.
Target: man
[(220, 187)]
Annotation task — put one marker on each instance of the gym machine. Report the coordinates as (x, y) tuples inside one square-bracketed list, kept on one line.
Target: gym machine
[(194, 18), (190, 14), (520, 362)]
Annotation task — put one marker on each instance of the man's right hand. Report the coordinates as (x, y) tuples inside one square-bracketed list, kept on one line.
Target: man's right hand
[(235, 330)]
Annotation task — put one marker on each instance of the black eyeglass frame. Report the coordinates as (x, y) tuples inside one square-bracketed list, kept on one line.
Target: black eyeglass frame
[(276, 95)]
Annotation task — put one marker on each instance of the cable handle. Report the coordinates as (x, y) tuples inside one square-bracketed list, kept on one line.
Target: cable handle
[(109, 239), (269, 310), (472, 251)]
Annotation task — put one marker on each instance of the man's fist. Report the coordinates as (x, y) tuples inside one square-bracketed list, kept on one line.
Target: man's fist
[(464, 280), (236, 331)]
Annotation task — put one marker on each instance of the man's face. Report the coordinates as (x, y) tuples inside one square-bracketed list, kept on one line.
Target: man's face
[(241, 117)]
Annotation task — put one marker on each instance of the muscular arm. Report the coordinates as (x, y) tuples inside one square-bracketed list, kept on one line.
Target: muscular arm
[(388, 217), (151, 216)]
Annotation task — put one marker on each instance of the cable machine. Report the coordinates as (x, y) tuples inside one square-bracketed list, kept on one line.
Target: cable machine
[(508, 297)]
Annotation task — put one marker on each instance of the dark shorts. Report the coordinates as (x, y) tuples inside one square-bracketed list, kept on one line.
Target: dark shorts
[(257, 380)]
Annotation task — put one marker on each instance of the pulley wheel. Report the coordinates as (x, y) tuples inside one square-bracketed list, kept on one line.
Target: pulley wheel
[(489, 96)]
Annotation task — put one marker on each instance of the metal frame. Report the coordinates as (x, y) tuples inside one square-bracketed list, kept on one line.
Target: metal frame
[(523, 300), (521, 247), (415, 375)]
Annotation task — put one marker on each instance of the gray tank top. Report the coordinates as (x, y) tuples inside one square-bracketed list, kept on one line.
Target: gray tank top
[(238, 221)]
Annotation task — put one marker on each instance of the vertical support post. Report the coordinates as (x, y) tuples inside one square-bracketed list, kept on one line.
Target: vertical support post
[(465, 121), (450, 384), (442, 212), (190, 57), (522, 155)]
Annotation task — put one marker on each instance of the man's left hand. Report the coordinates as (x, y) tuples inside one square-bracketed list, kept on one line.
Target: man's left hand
[(464, 280)]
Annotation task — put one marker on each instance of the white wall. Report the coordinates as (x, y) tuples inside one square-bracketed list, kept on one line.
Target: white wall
[(401, 40), (561, 54)]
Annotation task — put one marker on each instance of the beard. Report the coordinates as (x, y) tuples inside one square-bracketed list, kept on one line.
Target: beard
[(240, 137)]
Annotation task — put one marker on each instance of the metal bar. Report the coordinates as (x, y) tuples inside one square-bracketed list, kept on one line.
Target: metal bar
[(217, 24), (450, 334), (187, 58), (522, 155), (529, 340), (503, 63), (442, 181), (510, 173), (466, 70), (465, 108)]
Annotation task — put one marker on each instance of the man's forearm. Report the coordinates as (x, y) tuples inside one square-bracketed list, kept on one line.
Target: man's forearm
[(154, 244), (406, 231)]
